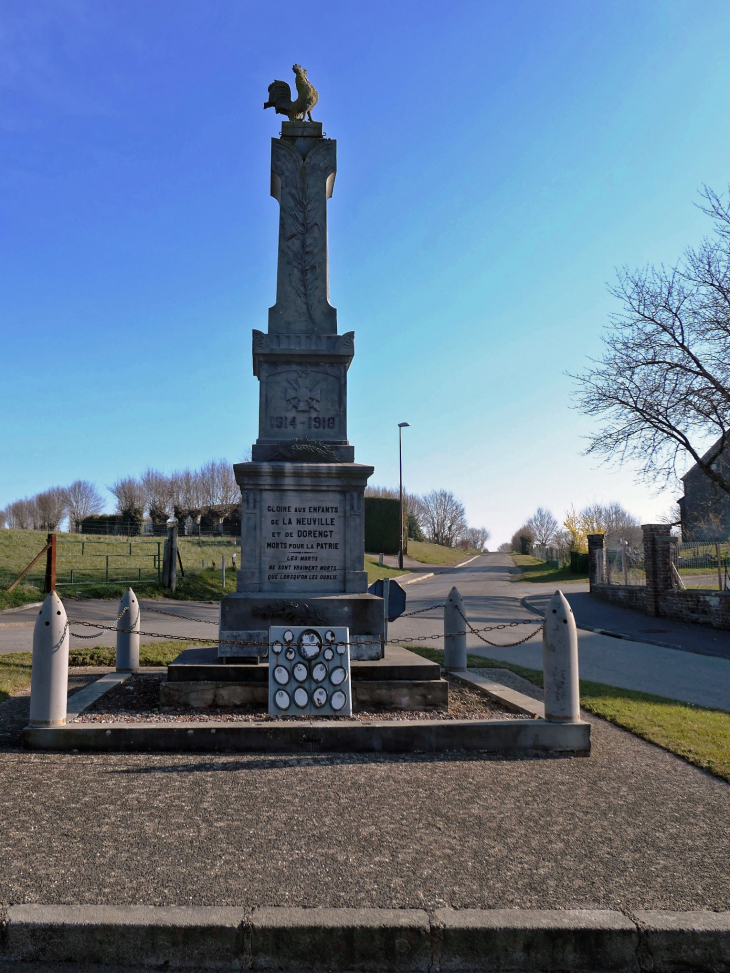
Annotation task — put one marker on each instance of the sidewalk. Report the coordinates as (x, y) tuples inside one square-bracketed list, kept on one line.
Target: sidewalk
[(594, 615)]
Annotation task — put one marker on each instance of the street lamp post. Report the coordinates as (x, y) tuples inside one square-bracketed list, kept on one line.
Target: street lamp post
[(401, 426)]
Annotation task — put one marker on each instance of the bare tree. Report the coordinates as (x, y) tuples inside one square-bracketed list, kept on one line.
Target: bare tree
[(444, 517), (504, 548), (82, 499), (130, 496), (543, 526), (23, 514), (3, 518), (612, 521), (51, 506), (477, 537), (662, 387), (158, 495), (522, 538)]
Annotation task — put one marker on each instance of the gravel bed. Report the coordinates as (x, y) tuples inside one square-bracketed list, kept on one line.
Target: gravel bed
[(138, 701)]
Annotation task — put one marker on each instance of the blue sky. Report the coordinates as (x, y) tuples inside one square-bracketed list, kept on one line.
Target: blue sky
[(497, 161)]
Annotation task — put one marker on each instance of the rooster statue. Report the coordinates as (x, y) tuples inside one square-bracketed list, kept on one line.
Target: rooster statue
[(280, 97)]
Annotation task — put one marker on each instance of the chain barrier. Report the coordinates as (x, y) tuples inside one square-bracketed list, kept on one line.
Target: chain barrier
[(159, 611), (98, 634), (500, 645), (420, 611), (398, 641)]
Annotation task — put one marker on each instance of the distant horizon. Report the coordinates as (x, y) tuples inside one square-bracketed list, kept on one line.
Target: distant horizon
[(497, 162)]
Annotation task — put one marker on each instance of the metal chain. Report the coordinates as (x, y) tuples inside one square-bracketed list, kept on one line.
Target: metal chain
[(420, 611), (398, 641), (63, 636), (100, 633), (187, 618), (499, 645)]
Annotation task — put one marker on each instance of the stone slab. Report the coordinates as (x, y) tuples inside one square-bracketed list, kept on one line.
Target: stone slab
[(509, 738), (203, 665), (89, 694), (531, 939), (157, 936), (340, 939), (678, 941), (301, 129)]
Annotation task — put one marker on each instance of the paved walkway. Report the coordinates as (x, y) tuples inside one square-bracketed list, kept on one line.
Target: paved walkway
[(630, 827)]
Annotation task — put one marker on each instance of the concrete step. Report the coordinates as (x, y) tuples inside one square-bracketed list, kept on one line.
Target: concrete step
[(203, 665)]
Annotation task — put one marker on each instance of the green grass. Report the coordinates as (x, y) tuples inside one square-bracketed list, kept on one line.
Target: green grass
[(375, 571), (534, 570), (698, 734), (19, 547), (15, 668), (436, 554)]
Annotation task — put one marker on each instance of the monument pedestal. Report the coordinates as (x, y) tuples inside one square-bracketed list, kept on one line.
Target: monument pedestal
[(302, 532)]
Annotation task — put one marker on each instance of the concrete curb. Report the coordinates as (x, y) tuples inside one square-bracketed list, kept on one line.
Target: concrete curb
[(20, 608), (368, 940), (421, 577), (505, 738)]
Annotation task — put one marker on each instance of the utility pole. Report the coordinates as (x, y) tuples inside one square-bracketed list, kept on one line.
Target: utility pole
[(401, 426)]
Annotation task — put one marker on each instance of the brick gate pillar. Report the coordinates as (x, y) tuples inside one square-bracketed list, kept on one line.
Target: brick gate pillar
[(596, 563), (658, 551)]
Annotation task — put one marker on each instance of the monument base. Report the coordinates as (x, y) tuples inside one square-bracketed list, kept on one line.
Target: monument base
[(401, 681), (249, 615)]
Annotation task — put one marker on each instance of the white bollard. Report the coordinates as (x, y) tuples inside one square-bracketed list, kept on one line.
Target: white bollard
[(128, 642), (454, 645), (49, 675), (560, 662)]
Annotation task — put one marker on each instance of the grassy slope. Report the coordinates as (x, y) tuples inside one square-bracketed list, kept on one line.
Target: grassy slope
[(531, 569), (435, 554), (18, 547), (699, 735)]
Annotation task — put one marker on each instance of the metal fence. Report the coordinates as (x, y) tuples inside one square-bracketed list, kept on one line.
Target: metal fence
[(624, 564)]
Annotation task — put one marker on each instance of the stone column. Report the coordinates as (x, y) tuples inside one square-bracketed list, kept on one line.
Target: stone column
[(657, 563), (303, 169), (596, 561)]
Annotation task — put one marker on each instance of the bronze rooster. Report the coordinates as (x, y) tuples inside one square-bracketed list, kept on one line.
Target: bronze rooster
[(280, 97)]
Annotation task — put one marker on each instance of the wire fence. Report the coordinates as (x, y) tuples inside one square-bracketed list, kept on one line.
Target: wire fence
[(84, 560)]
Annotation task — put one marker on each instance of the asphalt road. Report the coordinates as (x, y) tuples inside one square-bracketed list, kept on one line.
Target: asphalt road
[(491, 597), (16, 629)]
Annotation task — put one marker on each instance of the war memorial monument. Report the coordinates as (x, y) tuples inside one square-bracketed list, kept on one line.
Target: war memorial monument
[(302, 527)]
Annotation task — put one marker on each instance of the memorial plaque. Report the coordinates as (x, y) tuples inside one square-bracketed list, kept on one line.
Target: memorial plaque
[(304, 541), (309, 671)]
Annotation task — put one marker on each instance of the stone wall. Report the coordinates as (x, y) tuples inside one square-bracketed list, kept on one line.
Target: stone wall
[(698, 607), (627, 596)]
